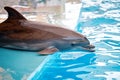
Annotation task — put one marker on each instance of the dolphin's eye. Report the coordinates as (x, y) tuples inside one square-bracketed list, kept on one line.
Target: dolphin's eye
[(72, 44)]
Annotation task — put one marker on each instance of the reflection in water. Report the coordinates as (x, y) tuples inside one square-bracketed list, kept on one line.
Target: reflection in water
[(68, 67)]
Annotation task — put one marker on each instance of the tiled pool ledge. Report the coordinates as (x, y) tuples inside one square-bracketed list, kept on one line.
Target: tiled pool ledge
[(18, 65)]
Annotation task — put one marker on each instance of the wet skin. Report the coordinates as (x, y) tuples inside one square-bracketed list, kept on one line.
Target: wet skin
[(16, 32)]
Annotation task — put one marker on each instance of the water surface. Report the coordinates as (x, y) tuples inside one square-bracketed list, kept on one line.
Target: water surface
[(99, 20)]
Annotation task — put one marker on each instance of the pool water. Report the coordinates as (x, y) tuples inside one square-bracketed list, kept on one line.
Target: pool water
[(99, 20)]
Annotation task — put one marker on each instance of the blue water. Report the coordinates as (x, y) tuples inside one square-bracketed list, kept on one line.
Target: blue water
[(100, 21)]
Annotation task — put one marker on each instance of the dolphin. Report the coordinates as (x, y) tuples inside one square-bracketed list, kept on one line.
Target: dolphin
[(16, 32)]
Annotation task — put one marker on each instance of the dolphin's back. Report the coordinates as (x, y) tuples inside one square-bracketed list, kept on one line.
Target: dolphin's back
[(17, 27), (13, 29), (19, 33)]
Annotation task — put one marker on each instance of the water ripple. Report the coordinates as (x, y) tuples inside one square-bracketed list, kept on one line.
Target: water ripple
[(99, 21)]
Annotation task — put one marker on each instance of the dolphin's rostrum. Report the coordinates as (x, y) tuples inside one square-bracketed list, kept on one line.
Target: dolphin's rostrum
[(16, 32)]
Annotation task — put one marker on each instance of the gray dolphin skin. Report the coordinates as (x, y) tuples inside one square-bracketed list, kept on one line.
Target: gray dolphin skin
[(16, 32)]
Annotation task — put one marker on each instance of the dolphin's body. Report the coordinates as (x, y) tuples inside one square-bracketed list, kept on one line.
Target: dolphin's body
[(16, 32)]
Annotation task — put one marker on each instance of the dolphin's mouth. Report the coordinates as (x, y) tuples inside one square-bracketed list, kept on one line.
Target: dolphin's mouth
[(90, 48)]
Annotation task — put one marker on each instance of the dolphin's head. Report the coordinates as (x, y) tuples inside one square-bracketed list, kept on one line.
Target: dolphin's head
[(82, 43)]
